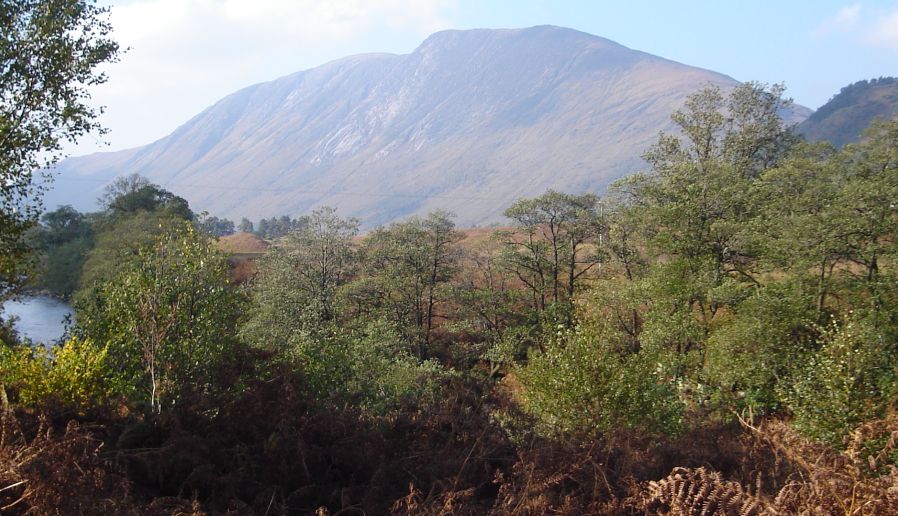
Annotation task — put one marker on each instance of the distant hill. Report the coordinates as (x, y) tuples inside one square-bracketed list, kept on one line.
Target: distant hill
[(468, 122), (848, 113), (242, 243)]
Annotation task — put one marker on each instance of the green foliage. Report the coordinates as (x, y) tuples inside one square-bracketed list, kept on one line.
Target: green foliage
[(276, 227), (407, 271), (295, 291), (135, 213), (742, 130), (246, 225), (65, 237), (216, 227), (370, 368), (9, 337), (63, 268), (549, 251), (802, 230), (851, 378), (118, 245), (168, 316), (298, 313), (581, 383), (76, 375), (755, 349), (150, 198), (832, 213), (734, 249), (49, 54), (63, 225)]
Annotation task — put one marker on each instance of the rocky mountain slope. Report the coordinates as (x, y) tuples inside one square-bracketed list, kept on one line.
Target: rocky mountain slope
[(468, 122)]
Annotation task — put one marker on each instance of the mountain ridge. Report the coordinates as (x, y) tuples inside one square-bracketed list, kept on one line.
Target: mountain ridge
[(468, 121), (844, 117)]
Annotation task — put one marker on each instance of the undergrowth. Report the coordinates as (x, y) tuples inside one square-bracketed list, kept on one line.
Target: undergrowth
[(271, 450)]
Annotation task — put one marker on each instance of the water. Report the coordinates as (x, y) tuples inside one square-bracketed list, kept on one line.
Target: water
[(41, 318)]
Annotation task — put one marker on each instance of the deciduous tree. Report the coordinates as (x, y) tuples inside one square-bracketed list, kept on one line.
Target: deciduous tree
[(549, 250), (50, 51)]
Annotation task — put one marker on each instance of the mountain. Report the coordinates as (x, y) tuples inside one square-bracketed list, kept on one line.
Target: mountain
[(469, 121), (849, 112)]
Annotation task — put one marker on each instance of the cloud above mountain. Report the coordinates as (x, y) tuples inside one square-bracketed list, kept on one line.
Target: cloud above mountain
[(843, 21), (885, 31), (874, 27)]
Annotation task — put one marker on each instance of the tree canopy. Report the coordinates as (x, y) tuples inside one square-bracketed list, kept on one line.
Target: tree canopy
[(50, 51)]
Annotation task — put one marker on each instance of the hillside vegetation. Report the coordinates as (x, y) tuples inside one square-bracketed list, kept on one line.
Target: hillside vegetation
[(843, 119), (717, 336)]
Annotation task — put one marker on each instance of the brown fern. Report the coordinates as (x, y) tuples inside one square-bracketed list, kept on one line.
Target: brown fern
[(859, 480), (701, 492)]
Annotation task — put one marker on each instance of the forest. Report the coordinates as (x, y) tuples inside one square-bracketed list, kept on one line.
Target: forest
[(716, 334)]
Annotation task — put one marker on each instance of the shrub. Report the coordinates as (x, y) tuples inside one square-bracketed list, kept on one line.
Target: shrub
[(368, 367), (758, 346), (169, 317), (580, 383), (850, 379), (74, 375)]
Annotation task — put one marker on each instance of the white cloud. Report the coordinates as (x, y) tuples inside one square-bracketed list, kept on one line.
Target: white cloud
[(846, 20), (873, 27), (186, 54), (884, 32)]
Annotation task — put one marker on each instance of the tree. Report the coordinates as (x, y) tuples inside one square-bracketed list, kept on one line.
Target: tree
[(485, 294), (49, 54), (246, 225), (120, 187), (801, 226), (830, 209), (548, 250), (134, 217), (744, 129), (63, 225), (696, 207), (116, 245), (217, 227), (169, 317), (277, 227), (581, 382), (64, 238), (869, 199), (150, 198), (295, 291), (690, 239), (407, 265), (262, 228)]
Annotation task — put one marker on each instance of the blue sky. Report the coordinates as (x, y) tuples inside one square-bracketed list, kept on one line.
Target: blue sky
[(186, 54)]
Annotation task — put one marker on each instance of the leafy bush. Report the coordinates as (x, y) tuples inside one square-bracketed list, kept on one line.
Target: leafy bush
[(64, 264), (169, 317), (370, 368), (75, 375), (580, 383), (850, 379), (758, 345)]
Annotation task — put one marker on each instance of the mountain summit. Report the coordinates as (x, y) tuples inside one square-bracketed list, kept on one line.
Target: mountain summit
[(468, 122)]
